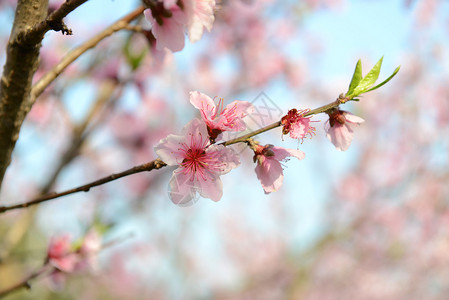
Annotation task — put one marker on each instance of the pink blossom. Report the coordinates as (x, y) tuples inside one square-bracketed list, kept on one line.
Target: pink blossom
[(296, 124), (168, 31), (218, 119), (201, 15), (339, 128), (67, 258), (91, 245), (269, 168), (170, 19), (61, 255), (200, 164)]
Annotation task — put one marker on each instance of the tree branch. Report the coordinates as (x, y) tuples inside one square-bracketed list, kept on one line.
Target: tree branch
[(157, 163), (153, 165), (25, 283), (52, 22), (48, 78), (340, 100), (20, 66)]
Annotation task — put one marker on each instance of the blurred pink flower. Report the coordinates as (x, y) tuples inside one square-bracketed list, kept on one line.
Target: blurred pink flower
[(201, 15), (88, 251), (339, 128), (200, 164), (269, 168), (168, 31), (218, 119), (296, 124), (67, 258), (170, 19), (61, 255)]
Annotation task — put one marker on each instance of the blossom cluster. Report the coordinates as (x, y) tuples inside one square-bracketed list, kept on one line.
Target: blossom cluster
[(201, 160), (68, 257)]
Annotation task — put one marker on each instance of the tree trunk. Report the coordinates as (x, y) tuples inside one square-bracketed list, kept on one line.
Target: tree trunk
[(15, 87)]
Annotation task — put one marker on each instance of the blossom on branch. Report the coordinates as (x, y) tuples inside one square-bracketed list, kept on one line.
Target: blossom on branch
[(67, 257), (269, 168), (296, 124), (339, 128), (199, 162), (61, 255), (219, 119), (170, 19)]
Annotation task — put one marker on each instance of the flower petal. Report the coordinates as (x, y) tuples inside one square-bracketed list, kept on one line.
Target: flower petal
[(282, 153), (203, 16), (168, 149), (211, 188), (182, 189), (204, 103), (227, 158), (353, 118), (171, 33), (340, 136), (270, 175), (238, 109)]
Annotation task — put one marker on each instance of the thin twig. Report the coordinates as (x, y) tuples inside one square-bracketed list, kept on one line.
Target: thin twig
[(315, 111), (155, 164), (48, 78), (152, 165), (52, 22), (25, 283)]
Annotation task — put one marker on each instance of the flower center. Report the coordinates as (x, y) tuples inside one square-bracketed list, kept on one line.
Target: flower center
[(196, 161)]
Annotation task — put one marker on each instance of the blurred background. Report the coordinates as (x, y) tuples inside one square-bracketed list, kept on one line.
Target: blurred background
[(368, 223)]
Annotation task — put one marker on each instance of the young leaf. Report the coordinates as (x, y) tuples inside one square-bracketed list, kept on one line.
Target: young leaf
[(385, 81), (369, 79), (356, 77)]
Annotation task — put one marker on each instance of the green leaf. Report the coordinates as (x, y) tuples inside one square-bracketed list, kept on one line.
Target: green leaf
[(133, 59), (385, 81), (356, 77), (369, 79)]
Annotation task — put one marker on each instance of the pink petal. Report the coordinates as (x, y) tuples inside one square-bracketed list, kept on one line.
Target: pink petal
[(204, 103), (182, 189), (228, 158), (282, 153), (171, 34), (211, 188), (91, 243), (195, 128), (240, 109), (66, 263), (169, 4), (270, 175), (300, 129), (203, 16), (353, 118), (168, 149), (340, 135)]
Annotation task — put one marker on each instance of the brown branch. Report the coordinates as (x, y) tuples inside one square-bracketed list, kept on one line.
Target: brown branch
[(241, 139), (48, 78), (15, 86), (52, 22), (25, 283), (153, 165), (156, 164)]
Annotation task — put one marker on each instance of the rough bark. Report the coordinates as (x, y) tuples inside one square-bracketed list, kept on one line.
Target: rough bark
[(21, 64)]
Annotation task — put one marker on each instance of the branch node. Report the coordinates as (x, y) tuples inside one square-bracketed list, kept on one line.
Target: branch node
[(58, 25), (159, 164)]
